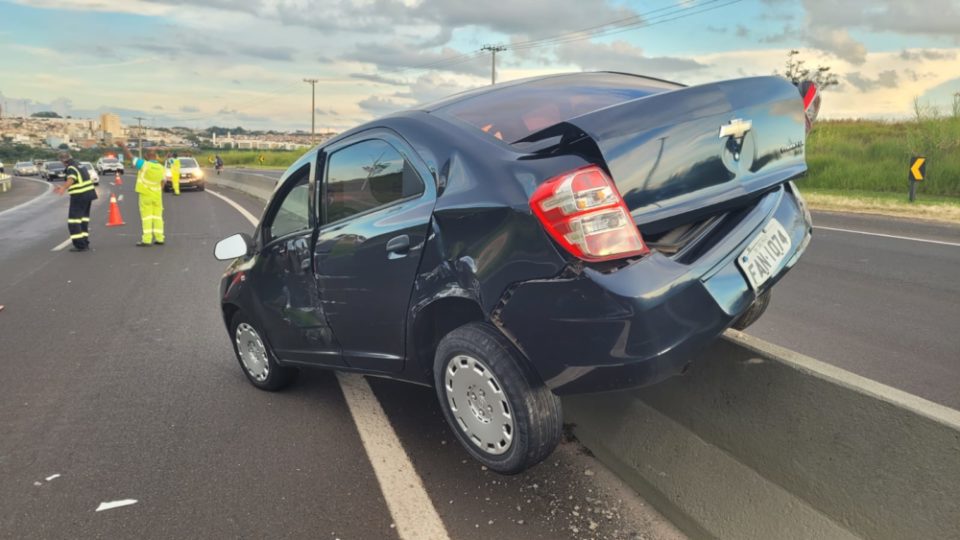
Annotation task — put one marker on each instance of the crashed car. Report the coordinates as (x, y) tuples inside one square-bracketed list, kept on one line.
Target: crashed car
[(564, 234)]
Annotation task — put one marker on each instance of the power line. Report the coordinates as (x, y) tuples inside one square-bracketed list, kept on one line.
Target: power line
[(671, 14)]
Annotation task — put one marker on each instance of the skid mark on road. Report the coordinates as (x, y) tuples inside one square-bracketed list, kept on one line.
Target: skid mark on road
[(407, 499), (912, 238)]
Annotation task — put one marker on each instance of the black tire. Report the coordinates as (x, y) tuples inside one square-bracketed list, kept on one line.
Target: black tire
[(202, 187), (753, 313), (277, 376), (537, 417)]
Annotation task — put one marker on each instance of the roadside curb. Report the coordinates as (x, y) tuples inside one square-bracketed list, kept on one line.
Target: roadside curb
[(762, 442)]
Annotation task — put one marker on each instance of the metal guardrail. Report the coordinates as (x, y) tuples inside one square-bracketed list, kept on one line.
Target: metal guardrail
[(761, 442)]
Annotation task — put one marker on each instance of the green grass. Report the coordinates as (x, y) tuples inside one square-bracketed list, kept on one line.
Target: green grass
[(272, 159), (860, 156)]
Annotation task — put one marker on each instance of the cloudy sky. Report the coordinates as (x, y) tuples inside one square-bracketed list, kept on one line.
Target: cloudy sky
[(242, 62)]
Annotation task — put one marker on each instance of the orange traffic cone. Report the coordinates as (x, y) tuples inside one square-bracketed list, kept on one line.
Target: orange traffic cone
[(115, 218), (118, 180)]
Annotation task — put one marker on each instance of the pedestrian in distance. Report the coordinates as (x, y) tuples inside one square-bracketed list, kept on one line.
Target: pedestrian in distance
[(150, 190), (219, 164), (82, 194)]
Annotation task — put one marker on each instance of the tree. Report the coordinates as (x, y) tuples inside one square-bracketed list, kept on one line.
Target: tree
[(45, 114), (797, 72)]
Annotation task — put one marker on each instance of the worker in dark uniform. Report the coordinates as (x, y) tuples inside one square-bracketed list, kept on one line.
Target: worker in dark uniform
[(82, 194)]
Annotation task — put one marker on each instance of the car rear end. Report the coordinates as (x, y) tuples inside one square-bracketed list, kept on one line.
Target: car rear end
[(92, 171), (54, 170), (680, 216)]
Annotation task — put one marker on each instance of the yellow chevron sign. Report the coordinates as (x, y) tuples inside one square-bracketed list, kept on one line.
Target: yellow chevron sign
[(918, 168)]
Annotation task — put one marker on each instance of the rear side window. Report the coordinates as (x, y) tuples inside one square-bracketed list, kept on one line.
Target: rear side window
[(368, 175), (513, 112)]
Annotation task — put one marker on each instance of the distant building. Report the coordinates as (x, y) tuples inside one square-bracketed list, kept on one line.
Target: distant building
[(110, 123)]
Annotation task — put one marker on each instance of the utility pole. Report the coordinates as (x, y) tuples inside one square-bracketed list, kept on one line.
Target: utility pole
[(494, 49), (140, 120), (313, 108)]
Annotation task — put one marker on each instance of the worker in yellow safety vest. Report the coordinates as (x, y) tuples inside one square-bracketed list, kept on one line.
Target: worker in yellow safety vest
[(150, 189), (174, 165)]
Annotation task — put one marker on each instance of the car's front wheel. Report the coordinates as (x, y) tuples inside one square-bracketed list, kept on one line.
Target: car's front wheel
[(256, 359), (497, 406)]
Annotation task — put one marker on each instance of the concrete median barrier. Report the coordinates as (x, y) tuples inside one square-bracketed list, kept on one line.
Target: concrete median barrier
[(761, 442), (5, 183), (253, 184)]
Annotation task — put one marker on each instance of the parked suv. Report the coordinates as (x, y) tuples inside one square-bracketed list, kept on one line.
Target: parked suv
[(564, 234), (109, 165)]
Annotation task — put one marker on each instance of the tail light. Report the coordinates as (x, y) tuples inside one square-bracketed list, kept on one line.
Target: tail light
[(583, 212), (811, 101)]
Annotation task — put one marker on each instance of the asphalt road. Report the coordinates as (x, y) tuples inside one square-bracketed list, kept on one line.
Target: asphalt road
[(120, 384), (882, 307)]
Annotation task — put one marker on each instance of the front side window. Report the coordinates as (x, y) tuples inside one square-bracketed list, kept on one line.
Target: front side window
[(368, 175), (293, 214)]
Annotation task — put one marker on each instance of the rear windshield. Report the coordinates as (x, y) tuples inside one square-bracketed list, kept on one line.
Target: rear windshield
[(512, 112), (188, 162), (110, 160), (52, 164), (24, 164)]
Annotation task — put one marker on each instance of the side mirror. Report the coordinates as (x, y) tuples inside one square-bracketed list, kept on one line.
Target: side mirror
[(233, 247)]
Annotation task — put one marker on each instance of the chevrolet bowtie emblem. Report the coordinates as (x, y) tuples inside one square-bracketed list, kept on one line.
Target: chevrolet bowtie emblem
[(737, 128)]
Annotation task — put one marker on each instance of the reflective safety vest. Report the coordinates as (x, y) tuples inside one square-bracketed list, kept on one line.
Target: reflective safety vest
[(82, 184), (150, 178)]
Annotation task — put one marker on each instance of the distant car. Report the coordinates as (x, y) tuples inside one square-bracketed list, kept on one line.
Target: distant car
[(109, 165), (191, 175), (53, 170), (25, 168), (557, 235), (92, 171)]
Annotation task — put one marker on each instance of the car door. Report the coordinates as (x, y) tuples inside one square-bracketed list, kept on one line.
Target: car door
[(289, 302), (377, 199)]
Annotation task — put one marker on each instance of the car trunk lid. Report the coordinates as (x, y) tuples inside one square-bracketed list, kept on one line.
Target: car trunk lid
[(685, 154)]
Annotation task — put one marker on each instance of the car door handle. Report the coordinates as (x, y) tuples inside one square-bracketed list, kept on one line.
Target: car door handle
[(398, 245)]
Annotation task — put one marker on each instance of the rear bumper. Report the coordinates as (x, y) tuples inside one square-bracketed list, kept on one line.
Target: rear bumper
[(642, 323)]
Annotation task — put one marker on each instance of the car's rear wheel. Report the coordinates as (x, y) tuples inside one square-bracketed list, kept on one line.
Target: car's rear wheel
[(257, 361), (497, 407)]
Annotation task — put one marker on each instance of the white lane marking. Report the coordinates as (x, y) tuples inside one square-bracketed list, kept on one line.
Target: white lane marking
[(65, 243), (53, 477), (402, 488), (62, 245), (115, 504), (243, 211), (31, 201), (925, 240)]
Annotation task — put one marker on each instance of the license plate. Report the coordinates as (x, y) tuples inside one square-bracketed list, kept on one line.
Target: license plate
[(763, 256)]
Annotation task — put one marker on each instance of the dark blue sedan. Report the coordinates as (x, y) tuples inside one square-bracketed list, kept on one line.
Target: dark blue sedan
[(571, 233)]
